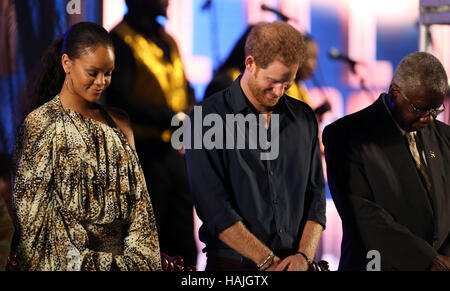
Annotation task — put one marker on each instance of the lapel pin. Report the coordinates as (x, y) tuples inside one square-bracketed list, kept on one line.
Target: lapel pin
[(432, 154)]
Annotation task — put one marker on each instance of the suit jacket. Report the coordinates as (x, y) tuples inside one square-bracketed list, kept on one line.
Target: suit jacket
[(379, 195)]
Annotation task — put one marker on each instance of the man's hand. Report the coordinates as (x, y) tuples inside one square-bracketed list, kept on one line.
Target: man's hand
[(292, 263), (441, 263), (274, 265), (239, 238)]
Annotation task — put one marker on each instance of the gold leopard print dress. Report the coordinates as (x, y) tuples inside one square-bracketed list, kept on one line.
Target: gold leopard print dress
[(80, 196)]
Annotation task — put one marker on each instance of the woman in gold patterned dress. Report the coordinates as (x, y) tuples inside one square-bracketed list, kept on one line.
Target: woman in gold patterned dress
[(79, 193)]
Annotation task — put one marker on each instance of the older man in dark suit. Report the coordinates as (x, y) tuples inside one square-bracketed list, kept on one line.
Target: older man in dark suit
[(389, 168)]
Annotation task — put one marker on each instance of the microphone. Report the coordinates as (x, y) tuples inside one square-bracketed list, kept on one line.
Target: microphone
[(334, 53), (207, 5), (275, 11), (322, 109)]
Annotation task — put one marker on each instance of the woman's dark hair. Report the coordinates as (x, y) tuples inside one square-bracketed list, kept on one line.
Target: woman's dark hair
[(80, 38)]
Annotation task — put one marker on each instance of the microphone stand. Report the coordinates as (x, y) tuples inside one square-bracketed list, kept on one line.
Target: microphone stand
[(361, 79), (352, 65), (364, 88), (362, 83), (214, 30), (325, 106), (280, 16)]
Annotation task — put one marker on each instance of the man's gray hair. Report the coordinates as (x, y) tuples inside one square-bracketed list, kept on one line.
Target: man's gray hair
[(421, 69)]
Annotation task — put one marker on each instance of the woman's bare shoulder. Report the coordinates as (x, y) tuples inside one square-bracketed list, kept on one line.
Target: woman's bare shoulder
[(118, 114), (123, 122)]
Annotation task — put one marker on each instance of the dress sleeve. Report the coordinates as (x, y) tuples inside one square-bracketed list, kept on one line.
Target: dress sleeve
[(141, 246), (141, 251), (46, 229)]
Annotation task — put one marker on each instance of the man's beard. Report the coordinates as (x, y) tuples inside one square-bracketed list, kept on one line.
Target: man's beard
[(260, 94)]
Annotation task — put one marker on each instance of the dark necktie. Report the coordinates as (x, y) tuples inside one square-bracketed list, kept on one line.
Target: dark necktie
[(415, 154)]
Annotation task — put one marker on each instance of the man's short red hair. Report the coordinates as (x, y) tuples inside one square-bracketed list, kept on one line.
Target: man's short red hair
[(275, 41)]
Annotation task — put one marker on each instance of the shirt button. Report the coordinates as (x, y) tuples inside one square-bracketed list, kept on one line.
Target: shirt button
[(281, 230), (275, 201)]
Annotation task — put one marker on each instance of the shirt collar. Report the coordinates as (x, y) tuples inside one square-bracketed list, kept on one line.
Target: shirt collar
[(238, 100), (240, 103), (403, 132)]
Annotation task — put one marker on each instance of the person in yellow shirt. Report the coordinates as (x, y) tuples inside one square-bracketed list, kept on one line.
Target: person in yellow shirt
[(305, 71), (231, 68), (151, 86)]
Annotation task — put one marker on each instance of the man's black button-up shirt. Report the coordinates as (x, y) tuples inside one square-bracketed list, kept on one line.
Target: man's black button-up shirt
[(273, 198)]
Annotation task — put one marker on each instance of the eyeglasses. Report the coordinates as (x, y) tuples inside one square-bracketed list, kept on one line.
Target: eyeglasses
[(434, 112)]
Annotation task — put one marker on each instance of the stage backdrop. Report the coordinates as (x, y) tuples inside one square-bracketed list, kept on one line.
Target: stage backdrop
[(377, 34)]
